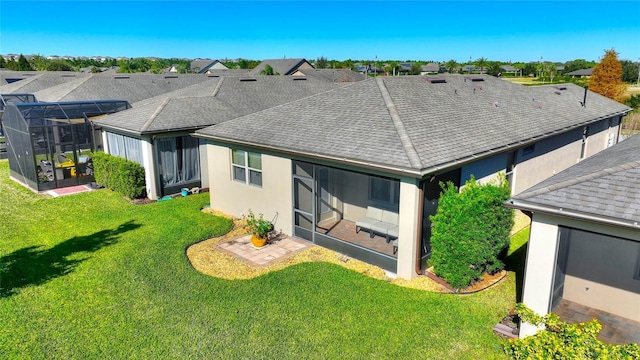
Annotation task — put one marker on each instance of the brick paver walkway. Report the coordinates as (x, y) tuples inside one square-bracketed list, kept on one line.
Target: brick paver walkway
[(277, 249)]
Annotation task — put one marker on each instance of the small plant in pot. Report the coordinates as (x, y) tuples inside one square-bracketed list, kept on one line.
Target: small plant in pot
[(259, 227)]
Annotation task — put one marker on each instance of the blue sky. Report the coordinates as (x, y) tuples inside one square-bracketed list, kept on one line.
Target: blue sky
[(418, 30)]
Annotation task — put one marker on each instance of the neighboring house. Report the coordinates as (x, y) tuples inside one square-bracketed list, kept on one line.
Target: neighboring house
[(204, 66), (380, 147), (510, 69), (283, 66), (430, 68), (155, 132), (581, 73), (584, 245), (333, 75)]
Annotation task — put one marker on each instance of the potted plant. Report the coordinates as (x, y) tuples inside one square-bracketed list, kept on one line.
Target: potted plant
[(259, 228)]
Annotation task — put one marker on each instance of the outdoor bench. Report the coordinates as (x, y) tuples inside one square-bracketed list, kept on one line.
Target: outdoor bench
[(379, 221)]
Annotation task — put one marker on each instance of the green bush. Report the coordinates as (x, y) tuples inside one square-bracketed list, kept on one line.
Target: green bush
[(120, 175), (470, 233), (565, 341)]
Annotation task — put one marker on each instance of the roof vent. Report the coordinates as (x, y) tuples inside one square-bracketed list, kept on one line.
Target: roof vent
[(560, 87), (171, 77), (474, 79), (213, 75), (68, 75), (121, 77), (436, 81), (299, 78), (557, 92), (248, 79)]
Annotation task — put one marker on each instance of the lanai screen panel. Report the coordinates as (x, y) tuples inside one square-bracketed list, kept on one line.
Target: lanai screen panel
[(50, 144)]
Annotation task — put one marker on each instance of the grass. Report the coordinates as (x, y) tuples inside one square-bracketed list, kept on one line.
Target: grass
[(91, 276)]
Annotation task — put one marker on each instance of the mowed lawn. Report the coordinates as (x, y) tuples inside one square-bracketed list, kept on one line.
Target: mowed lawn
[(91, 276)]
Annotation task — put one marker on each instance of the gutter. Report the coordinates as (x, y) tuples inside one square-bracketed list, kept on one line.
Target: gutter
[(568, 213), (367, 165)]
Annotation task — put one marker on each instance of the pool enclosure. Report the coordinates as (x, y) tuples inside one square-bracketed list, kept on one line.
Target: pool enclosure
[(49, 145)]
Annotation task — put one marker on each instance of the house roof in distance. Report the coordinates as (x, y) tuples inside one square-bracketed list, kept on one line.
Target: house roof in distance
[(212, 102), (581, 72), (417, 124), (601, 187), (34, 81), (282, 66), (130, 87)]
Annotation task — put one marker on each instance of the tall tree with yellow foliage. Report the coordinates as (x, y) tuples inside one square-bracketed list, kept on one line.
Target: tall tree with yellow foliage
[(606, 78)]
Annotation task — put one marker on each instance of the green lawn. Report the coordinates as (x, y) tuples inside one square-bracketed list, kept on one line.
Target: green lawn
[(91, 276)]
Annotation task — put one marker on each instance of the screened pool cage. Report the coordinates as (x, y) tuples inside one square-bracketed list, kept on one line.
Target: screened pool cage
[(49, 145)]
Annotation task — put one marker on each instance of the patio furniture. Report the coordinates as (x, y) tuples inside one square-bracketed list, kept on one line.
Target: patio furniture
[(47, 169), (379, 221)]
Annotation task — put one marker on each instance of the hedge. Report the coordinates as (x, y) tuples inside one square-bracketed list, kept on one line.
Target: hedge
[(120, 175), (470, 233), (561, 340)]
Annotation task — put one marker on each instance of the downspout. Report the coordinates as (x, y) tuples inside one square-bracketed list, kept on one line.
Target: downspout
[(418, 259)]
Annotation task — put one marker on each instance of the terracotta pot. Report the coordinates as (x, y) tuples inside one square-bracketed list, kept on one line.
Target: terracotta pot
[(258, 241)]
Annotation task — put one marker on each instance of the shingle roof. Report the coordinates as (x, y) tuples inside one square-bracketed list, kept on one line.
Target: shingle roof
[(212, 102), (581, 72), (34, 81), (603, 185), (445, 123), (130, 87), (202, 65), (334, 75), (280, 66)]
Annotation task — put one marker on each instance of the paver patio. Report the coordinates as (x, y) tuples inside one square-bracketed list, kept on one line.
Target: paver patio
[(276, 249)]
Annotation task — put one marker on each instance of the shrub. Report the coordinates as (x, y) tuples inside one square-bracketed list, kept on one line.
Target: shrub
[(470, 233), (561, 340), (120, 175)]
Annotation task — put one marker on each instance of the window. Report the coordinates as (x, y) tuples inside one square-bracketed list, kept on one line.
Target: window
[(384, 190), (125, 147), (247, 167)]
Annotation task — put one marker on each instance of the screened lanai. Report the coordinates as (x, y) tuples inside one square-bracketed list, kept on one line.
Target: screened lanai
[(49, 145)]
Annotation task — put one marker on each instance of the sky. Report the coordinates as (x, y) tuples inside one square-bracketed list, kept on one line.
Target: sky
[(516, 31)]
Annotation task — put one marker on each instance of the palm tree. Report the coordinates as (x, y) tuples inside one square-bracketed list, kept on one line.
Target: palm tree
[(482, 63), (451, 65)]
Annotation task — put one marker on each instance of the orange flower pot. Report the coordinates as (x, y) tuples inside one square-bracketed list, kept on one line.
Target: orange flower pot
[(258, 241)]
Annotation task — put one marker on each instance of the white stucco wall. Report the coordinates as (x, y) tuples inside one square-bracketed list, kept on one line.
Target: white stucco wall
[(273, 199)]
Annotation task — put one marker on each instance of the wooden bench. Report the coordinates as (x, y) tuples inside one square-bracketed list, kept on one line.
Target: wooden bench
[(379, 221)]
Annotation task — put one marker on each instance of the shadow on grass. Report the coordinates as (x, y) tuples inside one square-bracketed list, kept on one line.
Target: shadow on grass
[(515, 262), (35, 266)]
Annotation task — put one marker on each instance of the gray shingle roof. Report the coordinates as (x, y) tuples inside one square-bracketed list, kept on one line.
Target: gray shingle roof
[(603, 185), (130, 87), (445, 122), (34, 81), (581, 72), (212, 102), (280, 66), (203, 65), (334, 75)]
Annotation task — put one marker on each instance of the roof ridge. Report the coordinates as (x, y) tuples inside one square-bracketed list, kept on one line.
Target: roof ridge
[(155, 114), (407, 144), (218, 86), (77, 85), (574, 181)]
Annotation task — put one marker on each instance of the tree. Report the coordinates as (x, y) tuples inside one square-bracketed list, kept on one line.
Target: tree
[(629, 71), (3, 63), (606, 78), (58, 65), (11, 64), (577, 64), (494, 69), (415, 69), (268, 70), (23, 64), (451, 66), (321, 63), (39, 63), (481, 63), (529, 69)]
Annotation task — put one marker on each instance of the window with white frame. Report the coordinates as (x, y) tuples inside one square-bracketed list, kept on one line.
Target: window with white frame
[(246, 167), (384, 191)]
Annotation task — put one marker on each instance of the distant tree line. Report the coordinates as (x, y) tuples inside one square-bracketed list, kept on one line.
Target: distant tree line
[(544, 70)]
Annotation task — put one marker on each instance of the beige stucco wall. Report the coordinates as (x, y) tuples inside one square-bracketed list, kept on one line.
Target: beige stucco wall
[(410, 195), (204, 164), (149, 174), (273, 199), (555, 154), (619, 258)]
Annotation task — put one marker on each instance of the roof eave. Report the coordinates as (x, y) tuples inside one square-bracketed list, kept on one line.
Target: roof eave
[(533, 207), (414, 173)]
